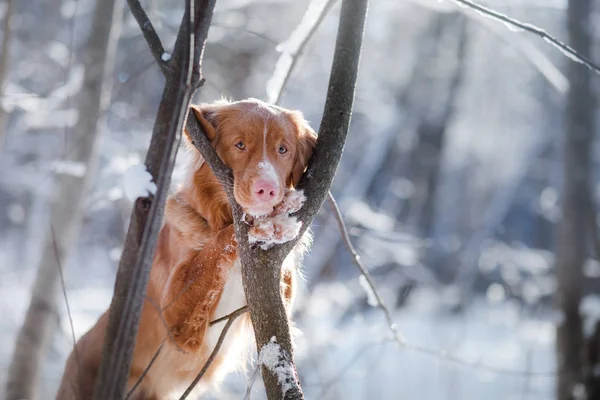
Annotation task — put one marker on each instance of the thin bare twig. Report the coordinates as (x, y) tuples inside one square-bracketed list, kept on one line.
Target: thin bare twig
[(159, 311), (530, 52), (251, 383), (246, 30), (169, 336), (331, 382), (230, 320), (218, 167), (564, 48), (285, 66), (226, 317), (152, 38), (64, 292), (397, 336), (143, 375)]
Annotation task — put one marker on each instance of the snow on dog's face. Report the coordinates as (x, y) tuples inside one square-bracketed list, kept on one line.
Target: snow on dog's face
[(267, 147)]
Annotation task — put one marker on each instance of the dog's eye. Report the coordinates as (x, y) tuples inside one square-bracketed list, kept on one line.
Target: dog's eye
[(282, 150), (240, 145)]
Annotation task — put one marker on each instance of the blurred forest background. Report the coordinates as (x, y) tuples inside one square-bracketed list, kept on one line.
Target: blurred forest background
[(468, 185)]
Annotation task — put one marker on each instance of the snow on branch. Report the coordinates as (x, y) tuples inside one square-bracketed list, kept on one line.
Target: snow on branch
[(276, 360)]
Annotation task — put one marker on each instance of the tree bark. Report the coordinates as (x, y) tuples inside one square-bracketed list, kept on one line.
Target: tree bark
[(183, 73), (35, 334), (571, 229)]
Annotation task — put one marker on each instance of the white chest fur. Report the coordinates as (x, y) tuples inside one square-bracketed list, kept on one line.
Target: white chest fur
[(232, 298), (236, 347)]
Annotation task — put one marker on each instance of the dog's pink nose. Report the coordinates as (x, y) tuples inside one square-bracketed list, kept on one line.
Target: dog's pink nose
[(265, 190)]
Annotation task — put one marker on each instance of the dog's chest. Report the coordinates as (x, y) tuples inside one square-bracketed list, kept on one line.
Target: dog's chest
[(232, 298)]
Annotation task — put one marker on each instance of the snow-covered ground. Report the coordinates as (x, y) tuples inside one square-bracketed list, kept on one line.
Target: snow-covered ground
[(494, 350)]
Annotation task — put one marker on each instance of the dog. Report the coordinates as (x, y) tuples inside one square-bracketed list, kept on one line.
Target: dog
[(195, 276)]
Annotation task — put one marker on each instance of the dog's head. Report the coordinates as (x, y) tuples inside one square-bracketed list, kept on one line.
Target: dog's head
[(267, 147)]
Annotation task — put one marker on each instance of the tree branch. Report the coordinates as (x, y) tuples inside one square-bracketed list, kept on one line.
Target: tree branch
[(145, 372), (140, 243), (241, 310), (397, 336), (267, 311), (564, 48), (230, 320), (261, 268), (218, 167), (289, 57), (150, 34), (338, 110)]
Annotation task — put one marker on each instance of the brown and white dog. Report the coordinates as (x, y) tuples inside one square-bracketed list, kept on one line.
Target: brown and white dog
[(195, 276)]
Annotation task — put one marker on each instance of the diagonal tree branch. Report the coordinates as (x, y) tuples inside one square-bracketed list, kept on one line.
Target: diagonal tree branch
[(237, 312), (150, 34), (260, 268), (397, 336), (230, 320), (564, 48), (140, 243), (218, 167), (145, 372), (289, 56), (338, 110)]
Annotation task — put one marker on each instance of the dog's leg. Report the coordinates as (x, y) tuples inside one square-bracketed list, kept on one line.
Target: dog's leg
[(194, 289)]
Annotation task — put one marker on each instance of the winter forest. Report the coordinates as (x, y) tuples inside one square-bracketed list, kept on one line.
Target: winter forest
[(457, 256)]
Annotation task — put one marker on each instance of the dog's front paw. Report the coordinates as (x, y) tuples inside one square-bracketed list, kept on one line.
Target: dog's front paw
[(269, 231)]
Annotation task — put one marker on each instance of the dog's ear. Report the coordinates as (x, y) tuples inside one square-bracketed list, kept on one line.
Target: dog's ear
[(207, 116), (306, 142)]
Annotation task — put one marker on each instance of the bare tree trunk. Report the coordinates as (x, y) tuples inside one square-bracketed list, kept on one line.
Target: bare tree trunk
[(571, 238), (67, 204), (183, 76), (4, 57)]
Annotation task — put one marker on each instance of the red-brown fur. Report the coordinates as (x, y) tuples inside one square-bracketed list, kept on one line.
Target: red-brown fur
[(196, 257)]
